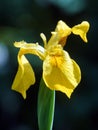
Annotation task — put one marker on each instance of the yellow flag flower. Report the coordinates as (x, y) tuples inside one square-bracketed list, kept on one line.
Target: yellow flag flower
[(60, 72)]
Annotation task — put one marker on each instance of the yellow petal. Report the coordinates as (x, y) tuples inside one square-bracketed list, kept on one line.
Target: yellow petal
[(61, 73), (61, 33), (63, 28), (44, 39), (81, 29), (31, 48), (24, 77)]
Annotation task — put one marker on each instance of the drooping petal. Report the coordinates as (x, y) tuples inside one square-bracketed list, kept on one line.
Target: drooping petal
[(61, 73), (61, 33), (81, 29), (25, 76), (31, 48)]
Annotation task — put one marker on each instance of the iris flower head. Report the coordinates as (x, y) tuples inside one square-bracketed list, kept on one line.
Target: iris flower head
[(60, 72)]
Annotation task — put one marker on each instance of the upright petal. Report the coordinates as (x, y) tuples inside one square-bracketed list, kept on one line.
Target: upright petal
[(25, 75), (81, 29), (61, 73), (60, 34)]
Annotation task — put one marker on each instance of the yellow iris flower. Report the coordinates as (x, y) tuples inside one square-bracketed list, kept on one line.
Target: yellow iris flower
[(60, 72)]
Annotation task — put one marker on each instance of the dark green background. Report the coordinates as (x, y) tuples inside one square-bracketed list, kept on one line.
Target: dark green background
[(25, 20)]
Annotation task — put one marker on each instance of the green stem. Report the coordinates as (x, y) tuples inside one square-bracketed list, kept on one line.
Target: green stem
[(46, 105)]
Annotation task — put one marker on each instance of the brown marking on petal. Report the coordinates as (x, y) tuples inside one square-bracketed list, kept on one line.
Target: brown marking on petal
[(62, 41)]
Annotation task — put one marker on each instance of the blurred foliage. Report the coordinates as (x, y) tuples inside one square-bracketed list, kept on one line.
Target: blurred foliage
[(25, 20)]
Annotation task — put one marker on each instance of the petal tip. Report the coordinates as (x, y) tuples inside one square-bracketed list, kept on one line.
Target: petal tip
[(21, 92)]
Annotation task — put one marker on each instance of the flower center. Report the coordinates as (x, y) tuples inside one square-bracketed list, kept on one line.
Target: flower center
[(55, 50), (56, 55)]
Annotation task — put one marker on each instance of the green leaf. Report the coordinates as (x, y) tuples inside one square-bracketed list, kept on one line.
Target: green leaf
[(46, 104)]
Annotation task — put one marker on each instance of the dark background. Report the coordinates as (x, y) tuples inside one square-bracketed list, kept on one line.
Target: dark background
[(25, 20)]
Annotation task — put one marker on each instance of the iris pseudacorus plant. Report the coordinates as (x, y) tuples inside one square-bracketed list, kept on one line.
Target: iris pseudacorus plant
[(60, 72)]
